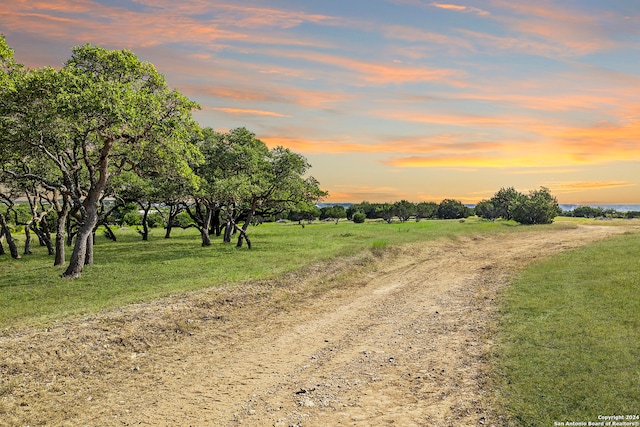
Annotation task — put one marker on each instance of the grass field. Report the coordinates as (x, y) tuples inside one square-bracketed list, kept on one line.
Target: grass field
[(130, 270), (569, 335)]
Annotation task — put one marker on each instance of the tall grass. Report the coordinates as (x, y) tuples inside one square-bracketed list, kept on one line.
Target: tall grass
[(568, 342), (131, 270)]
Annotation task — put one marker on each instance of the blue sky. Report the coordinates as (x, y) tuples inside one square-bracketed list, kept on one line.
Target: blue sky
[(391, 99)]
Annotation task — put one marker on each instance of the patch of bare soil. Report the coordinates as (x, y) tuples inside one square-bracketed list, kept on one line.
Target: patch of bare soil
[(400, 340)]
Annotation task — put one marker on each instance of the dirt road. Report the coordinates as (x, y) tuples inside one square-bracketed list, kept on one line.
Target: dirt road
[(399, 340)]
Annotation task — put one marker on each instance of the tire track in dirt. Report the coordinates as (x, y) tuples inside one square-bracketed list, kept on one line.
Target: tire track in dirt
[(404, 344)]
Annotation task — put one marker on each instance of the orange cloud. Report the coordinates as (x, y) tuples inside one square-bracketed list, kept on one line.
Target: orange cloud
[(249, 112), (351, 193), (459, 8), (377, 73), (575, 186), (292, 96), (432, 146), (558, 30)]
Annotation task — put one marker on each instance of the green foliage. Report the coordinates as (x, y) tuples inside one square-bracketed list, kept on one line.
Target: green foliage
[(308, 213), (155, 219), (426, 210), (183, 220), (131, 218), (567, 347), (452, 209), (487, 210), (539, 207), (502, 200), (333, 212), (359, 217), (404, 210), (587, 212)]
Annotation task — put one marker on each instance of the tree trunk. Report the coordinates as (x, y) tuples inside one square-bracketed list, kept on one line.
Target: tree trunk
[(216, 223), (173, 212), (13, 249), (27, 239), (109, 232), (88, 259), (82, 247), (61, 230), (45, 239), (227, 231), (204, 230), (243, 231), (45, 233), (145, 224), (69, 232)]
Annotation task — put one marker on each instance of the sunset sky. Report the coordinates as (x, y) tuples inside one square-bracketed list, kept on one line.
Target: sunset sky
[(391, 99)]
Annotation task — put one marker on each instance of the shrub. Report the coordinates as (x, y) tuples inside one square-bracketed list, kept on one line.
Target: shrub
[(359, 217), (539, 207), (487, 210), (452, 209), (131, 218), (183, 220), (155, 220)]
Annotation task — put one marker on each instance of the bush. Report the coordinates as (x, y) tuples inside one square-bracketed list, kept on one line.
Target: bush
[(452, 209), (359, 217), (539, 207), (183, 220), (131, 218), (487, 210), (155, 220), (587, 212)]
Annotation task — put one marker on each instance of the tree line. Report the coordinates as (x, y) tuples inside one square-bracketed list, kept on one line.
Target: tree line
[(536, 207), (80, 142)]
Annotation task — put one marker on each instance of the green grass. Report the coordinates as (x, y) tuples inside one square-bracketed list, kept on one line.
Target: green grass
[(130, 270), (568, 342)]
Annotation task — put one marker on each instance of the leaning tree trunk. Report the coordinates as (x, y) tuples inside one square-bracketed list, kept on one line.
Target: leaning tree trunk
[(27, 239), (83, 248), (13, 249), (243, 231), (45, 239)]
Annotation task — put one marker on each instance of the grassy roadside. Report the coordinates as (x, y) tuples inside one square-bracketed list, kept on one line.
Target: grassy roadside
[(129, 270), (568, 337)]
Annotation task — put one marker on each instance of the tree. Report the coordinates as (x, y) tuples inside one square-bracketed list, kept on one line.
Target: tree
[(538, 207), (130, 187), (404, 210), (336, 212), (279, 185), (308, 214), (103, 112), (386, 211), (487, 210), (426, 210), (588, 212), (502, 200), (452, 209)]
